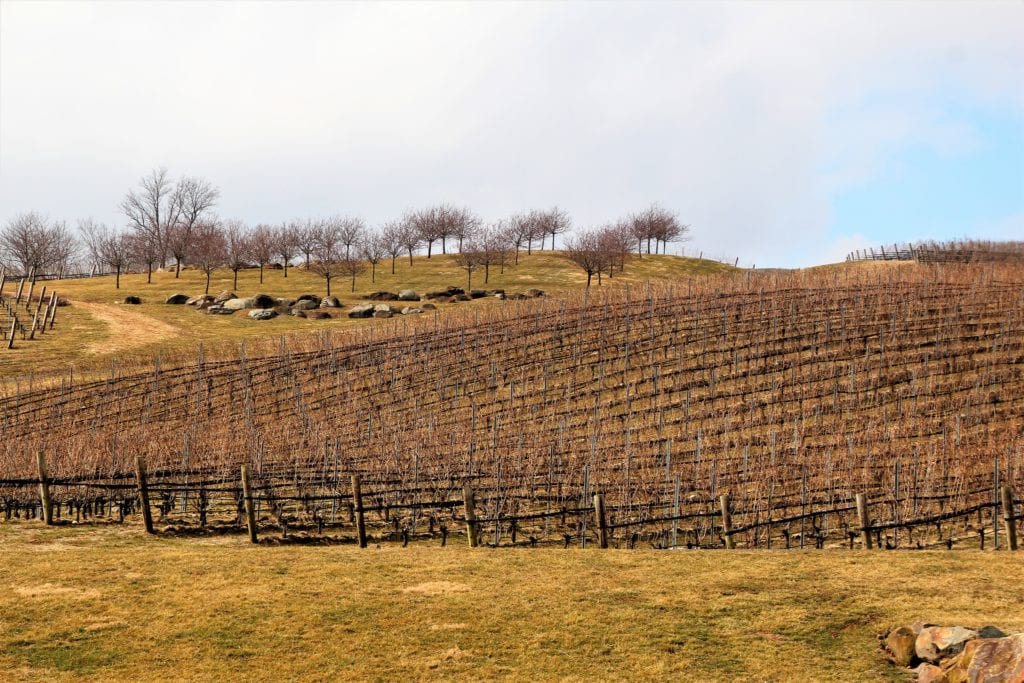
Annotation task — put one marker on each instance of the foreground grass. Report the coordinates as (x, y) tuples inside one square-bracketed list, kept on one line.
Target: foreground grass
[(81, 603), (97, 328)]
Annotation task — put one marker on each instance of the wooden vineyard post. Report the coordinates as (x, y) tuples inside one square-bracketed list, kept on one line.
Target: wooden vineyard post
[(862, 518), (140, 475), (250, 509), (470, 507), (730, 544), (44, 488), (35, 321), (21, 288), (357, 504), (602, 524), (14, 328), (53, 310), (1008, 517)]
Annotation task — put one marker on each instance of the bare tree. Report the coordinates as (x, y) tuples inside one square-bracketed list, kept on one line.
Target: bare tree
[(616, 240), (657, 224), (392, 241), (410, 237), (326, 251), (552, 222), (91, 234), (194, 199), (153, 209), (490, 247), (428, 228), (350, 232), (519, 229), (145, 251), (115, 252), (459, 223), (236, 237), (468, 261), (586, 251), (286, 243), (307, 235), (261, 246), (373, 249), (32, 242), (350, 267), (209, 248)]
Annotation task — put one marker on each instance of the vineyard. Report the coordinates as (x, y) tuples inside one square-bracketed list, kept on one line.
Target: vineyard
[(841, 408)]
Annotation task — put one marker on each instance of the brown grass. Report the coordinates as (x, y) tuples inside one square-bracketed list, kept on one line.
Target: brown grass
[(117, 606)]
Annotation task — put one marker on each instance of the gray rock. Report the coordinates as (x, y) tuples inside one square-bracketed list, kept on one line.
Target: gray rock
[(361, 311), (298, 314), (382, 314), (306, 304), (382, 307), (262, 313), (408, 310), (176, 299), (263, 301), (224, 296), (477, 294), (428, 307), (198, 300), (330, 302), (318, 315), (383, 296), (534, 293), (408, 295), (237, 304), (218, 309), (308, 297)]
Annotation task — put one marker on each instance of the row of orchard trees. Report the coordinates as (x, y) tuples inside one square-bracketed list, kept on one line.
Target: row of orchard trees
[(174, 221)]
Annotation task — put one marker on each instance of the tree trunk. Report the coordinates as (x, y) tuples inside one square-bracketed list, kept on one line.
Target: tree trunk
[(430, 247), (487, 273), (469, 280), (393, 257), (117, 278), (590, 274), (517, 254), (208, 274), (543, 239), (353, 282), (149, 273), (410, 257), (598, 277), (328, 276), (177, 267), (235, 287), (639, 247), (444, 247), (261, 272), (286, 268), (373, 272)]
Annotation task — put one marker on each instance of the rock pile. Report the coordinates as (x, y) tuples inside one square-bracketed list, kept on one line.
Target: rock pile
[(956, 654)]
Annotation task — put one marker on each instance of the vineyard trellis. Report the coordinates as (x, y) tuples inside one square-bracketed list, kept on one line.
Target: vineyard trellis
[(749, 412)]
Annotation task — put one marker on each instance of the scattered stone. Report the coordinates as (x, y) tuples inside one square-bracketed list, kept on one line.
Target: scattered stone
[(408, 295), (132, 300), (408, 310), (477, 294), (428, 307), (898, 646), (263, 301), (237, 304), (224, 296), (308, 297), (219, 309), (500, 295), (176, 299), (306, 304), (994, 659), (446, 293), (317, 315), (330, 302), (378, 308), (939, 642), (298, 314), (929, 673), (197, 300), (361, 311), (990, 632), (262, 313), (382, 314), (383, 296)]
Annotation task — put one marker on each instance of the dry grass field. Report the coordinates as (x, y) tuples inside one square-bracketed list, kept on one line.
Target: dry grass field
[(97, 327), (106, 603)]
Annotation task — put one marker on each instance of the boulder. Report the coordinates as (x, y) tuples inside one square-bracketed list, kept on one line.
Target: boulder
[(408, 310), (428, 307), (308, 297), (132, 300), (176, 299), (383, 296), (330, 302), (935, 643), (219, 309), (224, 296), (262, 313), (898, 646), (306, 304), (408, 295), (318, 315), (197, 300), (237, 304), (447, 292), (378, 308), (263, 301), (929, 673), (477, 294), (990, 632), (297, 313), (203, 305), (382, 314), (994, 659), (361, 311), (500, 295)]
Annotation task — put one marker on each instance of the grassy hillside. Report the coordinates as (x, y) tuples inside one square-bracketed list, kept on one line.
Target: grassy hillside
[(108, 604), (97, 328)]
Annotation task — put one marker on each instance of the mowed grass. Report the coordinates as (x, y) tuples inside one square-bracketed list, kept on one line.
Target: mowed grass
[(91, 338), (108, 603)]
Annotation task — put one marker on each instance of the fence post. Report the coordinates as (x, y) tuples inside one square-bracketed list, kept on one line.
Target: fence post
[(357, 505), (44, 488), (14, 328), (53, 310), (1008, 517), (470, 505), (140, 475), (602, 524), (862, 518), (726, 522), (250, 510)]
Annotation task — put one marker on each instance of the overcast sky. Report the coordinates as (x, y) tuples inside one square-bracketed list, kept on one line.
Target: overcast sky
[(785, 133)]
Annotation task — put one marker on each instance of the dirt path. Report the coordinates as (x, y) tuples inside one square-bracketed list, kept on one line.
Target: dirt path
[(128, 328)]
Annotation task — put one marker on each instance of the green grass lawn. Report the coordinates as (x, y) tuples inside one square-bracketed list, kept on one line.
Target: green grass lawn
[(109, 603)]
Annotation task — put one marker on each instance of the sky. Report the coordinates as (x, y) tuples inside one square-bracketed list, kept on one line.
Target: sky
[(784, 133)]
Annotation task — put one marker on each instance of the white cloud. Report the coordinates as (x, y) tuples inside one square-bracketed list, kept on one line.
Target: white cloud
[(724, 112)]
